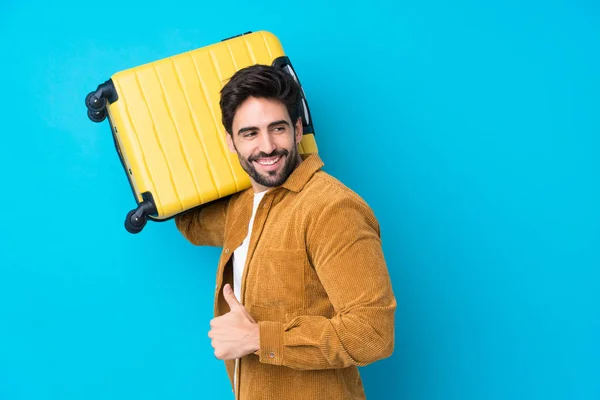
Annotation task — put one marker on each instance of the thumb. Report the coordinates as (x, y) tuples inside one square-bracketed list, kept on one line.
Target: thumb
[(230, 297)]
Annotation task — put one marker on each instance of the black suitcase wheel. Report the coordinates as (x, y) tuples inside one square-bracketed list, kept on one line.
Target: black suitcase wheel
[(92, 102), (96, 116), (134, 223), (136, 219), (97, 101)]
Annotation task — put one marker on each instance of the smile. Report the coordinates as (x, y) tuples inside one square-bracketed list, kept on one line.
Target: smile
[(268, 161)]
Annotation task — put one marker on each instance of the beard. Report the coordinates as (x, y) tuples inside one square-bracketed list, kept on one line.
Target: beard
[(271, 178)]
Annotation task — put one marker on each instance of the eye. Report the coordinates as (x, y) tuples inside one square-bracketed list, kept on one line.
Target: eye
[(279, 129), (249, 134)]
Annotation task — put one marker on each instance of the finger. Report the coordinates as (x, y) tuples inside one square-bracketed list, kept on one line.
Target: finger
[(230, 297)]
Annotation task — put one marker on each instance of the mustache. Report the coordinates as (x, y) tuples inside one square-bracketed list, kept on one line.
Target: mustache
[(282, 152)]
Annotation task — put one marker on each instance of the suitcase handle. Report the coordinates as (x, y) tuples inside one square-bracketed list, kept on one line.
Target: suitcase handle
[(285, 63)]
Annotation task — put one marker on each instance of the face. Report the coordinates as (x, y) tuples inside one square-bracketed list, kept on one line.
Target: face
[(265, 140)]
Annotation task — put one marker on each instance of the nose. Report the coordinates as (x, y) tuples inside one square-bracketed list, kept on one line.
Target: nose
[(266, 143)]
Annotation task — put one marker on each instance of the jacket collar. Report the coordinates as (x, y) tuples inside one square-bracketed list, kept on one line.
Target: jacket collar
[(303, 173)]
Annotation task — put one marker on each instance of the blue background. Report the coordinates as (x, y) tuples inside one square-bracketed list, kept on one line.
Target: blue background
[(470, 127)]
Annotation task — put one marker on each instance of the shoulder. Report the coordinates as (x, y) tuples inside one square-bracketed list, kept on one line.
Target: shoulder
[(324, 188), (325, 196)]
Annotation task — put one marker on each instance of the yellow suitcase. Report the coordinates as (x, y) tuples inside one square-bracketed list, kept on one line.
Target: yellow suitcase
[(166, 125)]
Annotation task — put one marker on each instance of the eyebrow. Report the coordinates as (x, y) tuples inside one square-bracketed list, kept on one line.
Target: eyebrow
[(253, 128)]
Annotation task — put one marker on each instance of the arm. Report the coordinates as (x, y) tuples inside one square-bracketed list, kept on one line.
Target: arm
[(345, 248), (205, 226)]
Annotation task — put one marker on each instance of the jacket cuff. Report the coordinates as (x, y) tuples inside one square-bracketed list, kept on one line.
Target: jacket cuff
[(271, 342)]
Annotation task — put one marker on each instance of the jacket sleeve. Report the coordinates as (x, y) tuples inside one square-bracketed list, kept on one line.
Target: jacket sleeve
[(344, 245), (205, 226)]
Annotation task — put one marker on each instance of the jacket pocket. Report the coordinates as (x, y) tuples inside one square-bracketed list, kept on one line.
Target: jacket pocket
[(279, 280)]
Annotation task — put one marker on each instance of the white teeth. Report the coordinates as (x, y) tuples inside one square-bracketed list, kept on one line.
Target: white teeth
[(268, 162)]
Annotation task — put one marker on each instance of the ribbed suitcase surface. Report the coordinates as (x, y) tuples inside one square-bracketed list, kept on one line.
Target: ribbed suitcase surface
[(167, 123)]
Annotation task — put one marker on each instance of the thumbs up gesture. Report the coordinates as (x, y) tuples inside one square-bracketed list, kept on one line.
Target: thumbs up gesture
[(234, 334)]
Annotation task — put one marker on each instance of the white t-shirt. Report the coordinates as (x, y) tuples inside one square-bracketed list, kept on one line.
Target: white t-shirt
[(239, 255)]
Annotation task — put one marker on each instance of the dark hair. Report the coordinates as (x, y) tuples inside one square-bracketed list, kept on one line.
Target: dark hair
[(261, 81)]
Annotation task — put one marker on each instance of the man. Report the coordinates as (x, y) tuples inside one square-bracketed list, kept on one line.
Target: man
[(303, 294)]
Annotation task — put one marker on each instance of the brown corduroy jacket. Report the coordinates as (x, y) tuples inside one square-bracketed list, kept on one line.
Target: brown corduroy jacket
[(315, 280)]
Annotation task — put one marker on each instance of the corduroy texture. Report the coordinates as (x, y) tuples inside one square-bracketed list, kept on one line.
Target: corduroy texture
[(316, 281)]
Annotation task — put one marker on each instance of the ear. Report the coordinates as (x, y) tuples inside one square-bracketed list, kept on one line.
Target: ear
[(299, 131), (230, 144)]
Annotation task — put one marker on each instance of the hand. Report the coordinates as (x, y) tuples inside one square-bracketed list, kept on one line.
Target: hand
[(234, 334)]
